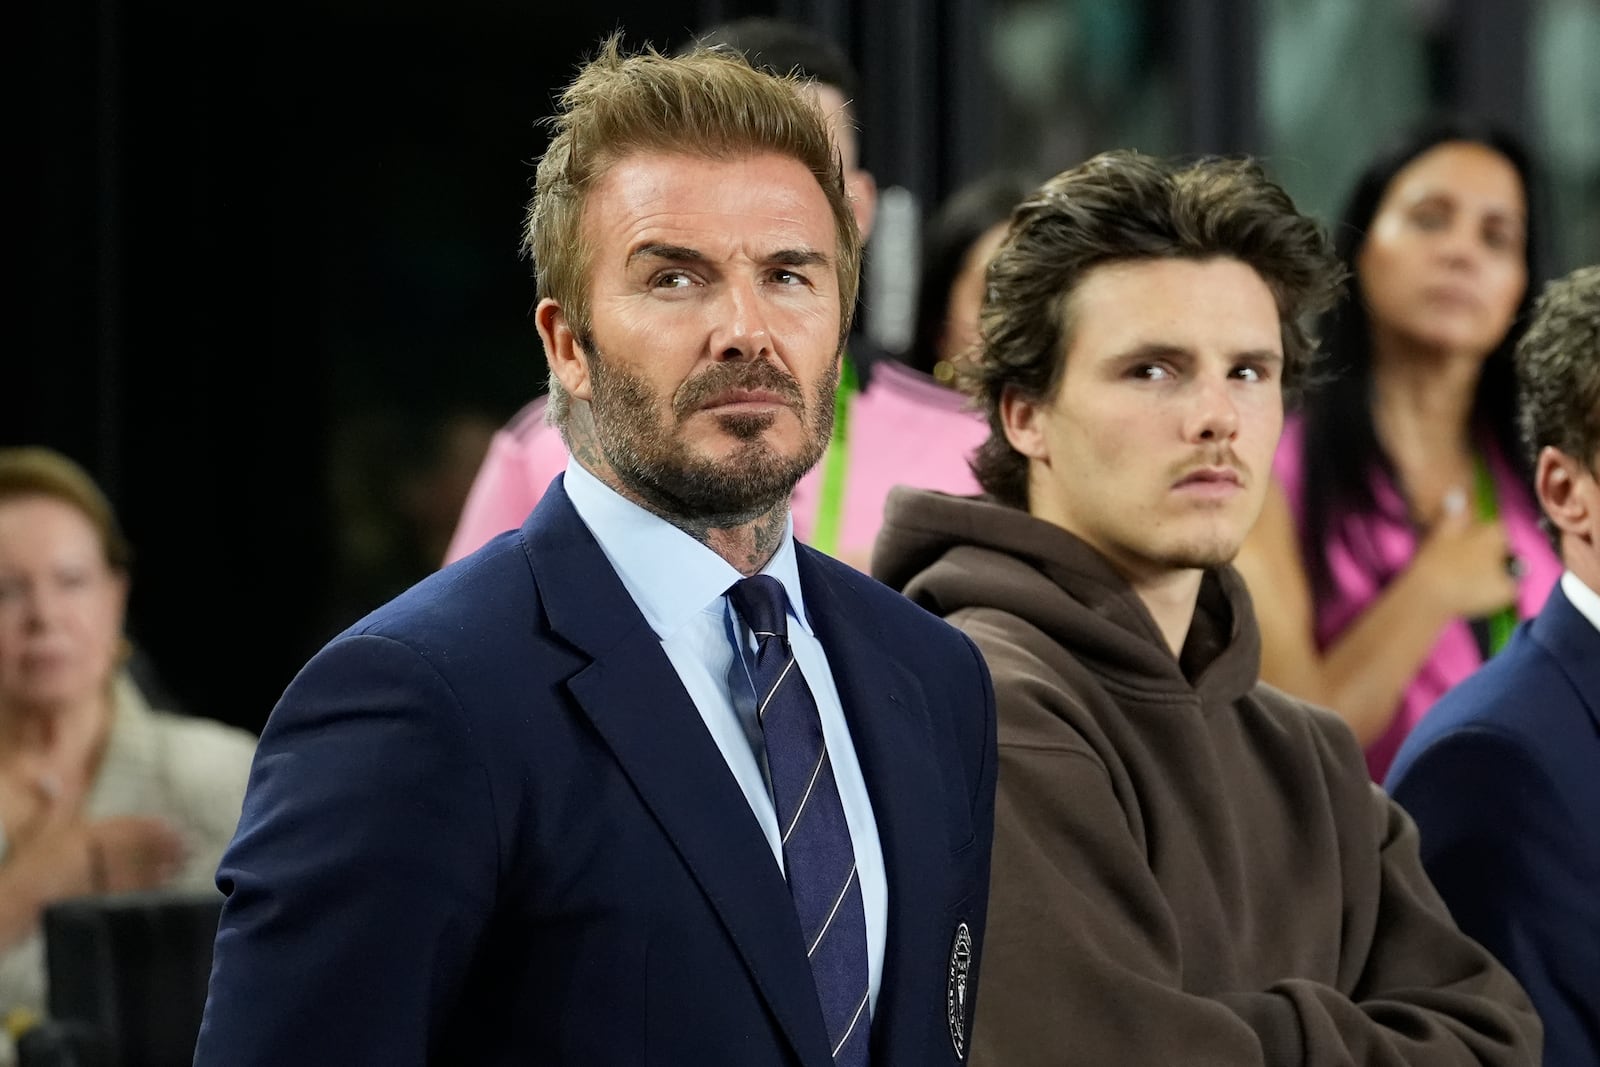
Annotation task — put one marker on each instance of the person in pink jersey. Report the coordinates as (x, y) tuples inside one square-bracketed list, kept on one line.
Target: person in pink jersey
[(892, 425), (1400, 545)]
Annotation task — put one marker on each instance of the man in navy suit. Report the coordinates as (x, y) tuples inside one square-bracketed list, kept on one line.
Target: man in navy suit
[(529, 811), (1503, 775)]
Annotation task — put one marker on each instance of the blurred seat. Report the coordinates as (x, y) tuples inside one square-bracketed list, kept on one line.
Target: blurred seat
[(127, 981), (64, 1044)]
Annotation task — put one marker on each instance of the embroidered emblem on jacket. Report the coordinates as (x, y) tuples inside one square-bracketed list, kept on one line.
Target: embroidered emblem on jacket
[(955, 990)]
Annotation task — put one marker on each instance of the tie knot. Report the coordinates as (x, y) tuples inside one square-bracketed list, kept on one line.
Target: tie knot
[(762, 604)]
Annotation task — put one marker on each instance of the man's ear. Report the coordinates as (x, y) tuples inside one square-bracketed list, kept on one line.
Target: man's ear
[(1556, 479), (1025, 422), (567, 358)]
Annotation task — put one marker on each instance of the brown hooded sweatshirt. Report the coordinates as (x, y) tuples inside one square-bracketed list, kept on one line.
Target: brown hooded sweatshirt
[(1189, 866)]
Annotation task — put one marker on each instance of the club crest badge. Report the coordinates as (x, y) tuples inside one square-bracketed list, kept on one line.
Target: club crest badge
[(955, 990)]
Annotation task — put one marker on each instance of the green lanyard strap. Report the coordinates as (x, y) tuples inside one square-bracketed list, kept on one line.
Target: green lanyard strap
[(1503, 622), (835, 466)]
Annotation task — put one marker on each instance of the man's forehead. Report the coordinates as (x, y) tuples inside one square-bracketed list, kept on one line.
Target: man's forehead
[(654, 197), (1179, 297), (655, 171)]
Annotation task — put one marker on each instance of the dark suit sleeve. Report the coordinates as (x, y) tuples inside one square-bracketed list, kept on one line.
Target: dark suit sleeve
[(983, 802), (363, 870), (1506, 850)]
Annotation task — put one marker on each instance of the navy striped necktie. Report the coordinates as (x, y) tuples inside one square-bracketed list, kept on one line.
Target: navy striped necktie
[(819, 859)]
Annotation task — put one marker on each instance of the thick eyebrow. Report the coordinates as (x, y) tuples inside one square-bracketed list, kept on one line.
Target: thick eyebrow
[(1151, 351), (1261, 355), (671, 253), (798, 257), (786, 257)]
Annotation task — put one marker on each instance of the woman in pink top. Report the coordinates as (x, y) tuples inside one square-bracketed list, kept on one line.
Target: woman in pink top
[(1400, 542)]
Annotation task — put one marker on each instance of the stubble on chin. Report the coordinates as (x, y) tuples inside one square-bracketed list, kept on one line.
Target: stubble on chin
[(1201, 558), (747, 426), (1207, 551), (646, 458)]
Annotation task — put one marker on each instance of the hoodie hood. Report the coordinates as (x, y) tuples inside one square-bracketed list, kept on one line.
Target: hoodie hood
[(955, 554)]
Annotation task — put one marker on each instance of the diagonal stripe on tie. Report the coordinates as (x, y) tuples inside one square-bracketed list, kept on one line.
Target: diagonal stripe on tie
[(827, 924), (818, 856), (816, 774), (855, 1019)]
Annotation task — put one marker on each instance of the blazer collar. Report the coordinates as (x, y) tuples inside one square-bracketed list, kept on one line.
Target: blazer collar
[(1574, 644)]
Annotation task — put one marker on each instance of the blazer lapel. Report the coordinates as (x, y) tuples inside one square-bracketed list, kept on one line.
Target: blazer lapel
[(1575, 644), (637, 703), (886, 708)]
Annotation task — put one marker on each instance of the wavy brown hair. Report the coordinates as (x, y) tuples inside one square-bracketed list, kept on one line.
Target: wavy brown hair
[(1122, 207)]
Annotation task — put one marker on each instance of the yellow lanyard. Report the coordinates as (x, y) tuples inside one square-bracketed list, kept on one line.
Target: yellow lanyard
[(1503, 622), (835, 466)]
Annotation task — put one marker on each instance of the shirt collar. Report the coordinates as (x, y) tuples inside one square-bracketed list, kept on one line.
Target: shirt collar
[(1586, 600), (669, 574)]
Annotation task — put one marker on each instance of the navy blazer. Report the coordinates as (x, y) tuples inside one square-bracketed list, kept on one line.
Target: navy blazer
[(1503, 779), (486, 825)]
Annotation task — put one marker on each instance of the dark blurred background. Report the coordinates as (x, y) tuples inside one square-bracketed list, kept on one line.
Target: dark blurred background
[(272, 293)]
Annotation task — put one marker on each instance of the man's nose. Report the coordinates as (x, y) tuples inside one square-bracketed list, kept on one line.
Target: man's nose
[(1214, 416), (741, 330)]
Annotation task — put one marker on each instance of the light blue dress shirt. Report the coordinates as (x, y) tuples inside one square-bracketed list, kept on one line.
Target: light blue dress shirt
[(680, 586), (1586, 600)]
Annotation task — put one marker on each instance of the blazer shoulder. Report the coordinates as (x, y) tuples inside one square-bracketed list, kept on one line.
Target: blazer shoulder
[(1521, 700), (1523, 692), (466, 609)]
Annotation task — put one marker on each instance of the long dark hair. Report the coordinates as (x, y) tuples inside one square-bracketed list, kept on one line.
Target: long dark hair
[(1340, 446), (953, 229)]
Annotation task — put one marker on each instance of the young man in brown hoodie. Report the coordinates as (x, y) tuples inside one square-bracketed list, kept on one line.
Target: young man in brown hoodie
[(1189, 867)]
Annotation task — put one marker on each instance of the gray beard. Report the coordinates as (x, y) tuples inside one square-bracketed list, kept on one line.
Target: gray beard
[(649, 462)]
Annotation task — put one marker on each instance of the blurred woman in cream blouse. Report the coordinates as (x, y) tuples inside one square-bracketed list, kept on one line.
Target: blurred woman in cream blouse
[(99, 792)]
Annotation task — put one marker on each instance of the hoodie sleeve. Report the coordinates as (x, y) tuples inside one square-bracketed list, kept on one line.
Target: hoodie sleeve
[(1084, 959), (1426, 992)]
